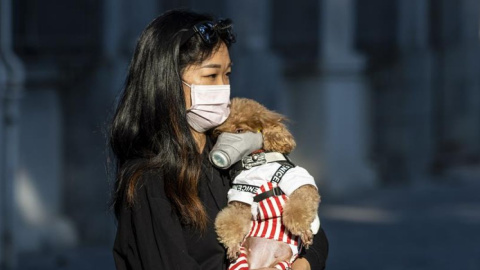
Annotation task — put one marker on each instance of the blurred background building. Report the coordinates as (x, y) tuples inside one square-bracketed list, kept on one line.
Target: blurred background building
[(379, 93)]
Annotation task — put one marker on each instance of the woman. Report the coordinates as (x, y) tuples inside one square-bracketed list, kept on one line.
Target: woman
[(167, 193)]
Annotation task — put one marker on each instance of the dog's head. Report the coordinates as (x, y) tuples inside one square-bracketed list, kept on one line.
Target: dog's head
[(249, 115)]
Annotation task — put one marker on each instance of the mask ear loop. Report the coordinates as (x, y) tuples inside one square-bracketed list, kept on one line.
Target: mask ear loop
[(189, 85)]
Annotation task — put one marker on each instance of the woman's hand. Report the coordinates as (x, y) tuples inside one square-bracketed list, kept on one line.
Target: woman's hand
[(301, 264), (298, 264)]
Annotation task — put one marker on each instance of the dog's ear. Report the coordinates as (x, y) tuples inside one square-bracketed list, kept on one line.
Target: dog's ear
[(276, 136)]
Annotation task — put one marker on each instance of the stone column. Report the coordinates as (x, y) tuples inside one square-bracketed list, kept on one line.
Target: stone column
[(346, 121), (256, 71), (40, 223), (38, 220), (89, 105), (331, 107), (414, 81), (11, 85), (4, 188), (459, 59)]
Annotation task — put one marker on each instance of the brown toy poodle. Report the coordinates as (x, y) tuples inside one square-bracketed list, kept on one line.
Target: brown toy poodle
[(239, 225)]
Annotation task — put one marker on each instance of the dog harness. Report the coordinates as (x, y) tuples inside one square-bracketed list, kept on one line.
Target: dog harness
[(266, 187), (257, 159)]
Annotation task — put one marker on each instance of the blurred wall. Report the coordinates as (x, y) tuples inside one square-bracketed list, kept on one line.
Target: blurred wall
[(378, 92)]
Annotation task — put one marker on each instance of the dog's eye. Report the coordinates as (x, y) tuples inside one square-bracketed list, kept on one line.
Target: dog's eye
[(239, 130)]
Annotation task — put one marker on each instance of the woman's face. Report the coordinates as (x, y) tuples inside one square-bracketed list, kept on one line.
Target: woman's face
[(214, 70)]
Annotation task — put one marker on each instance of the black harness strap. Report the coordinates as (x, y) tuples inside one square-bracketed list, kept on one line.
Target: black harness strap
[(238, 167), (245, 188), (276, 191), (278, 175)]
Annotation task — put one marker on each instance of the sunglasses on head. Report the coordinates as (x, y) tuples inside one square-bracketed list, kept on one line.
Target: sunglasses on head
[(210, 32)]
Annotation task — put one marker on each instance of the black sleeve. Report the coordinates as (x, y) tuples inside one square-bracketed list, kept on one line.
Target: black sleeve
[(149, 236), (159, 236), (317, 254)]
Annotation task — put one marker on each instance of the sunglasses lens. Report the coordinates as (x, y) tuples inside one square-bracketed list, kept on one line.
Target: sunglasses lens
[(207, 32), (210, 31), (224, 29)]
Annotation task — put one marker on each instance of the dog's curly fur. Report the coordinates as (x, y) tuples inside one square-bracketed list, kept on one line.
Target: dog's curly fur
[(249, 115), (233, 222)]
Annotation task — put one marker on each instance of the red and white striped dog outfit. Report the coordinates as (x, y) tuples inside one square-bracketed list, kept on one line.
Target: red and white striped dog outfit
[(267, 213)]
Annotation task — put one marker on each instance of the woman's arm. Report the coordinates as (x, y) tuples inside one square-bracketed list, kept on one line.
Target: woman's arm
[(316, 256), (152, 236), (301, 264), (158, 234)]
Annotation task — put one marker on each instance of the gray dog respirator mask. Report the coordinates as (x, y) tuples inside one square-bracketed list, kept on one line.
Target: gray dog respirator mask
[(232, 147)]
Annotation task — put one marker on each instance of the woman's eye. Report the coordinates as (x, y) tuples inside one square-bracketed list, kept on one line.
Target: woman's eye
[(212, 76), (228, 74), (239, 130)]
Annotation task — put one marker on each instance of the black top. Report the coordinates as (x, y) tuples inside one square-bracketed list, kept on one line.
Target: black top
[(150, 235)]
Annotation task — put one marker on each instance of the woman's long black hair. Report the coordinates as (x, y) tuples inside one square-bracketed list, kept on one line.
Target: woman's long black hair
[(149, 129)]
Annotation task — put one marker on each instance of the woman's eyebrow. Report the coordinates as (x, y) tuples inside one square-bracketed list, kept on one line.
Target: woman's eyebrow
[(215, 65), (211, 66)]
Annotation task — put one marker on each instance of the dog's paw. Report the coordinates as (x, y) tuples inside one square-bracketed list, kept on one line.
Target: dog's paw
[(295, 222), (297, 225), (307, 238), (233, 252)]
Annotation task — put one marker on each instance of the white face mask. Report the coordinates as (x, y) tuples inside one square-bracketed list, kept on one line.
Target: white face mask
[(210, 106)]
